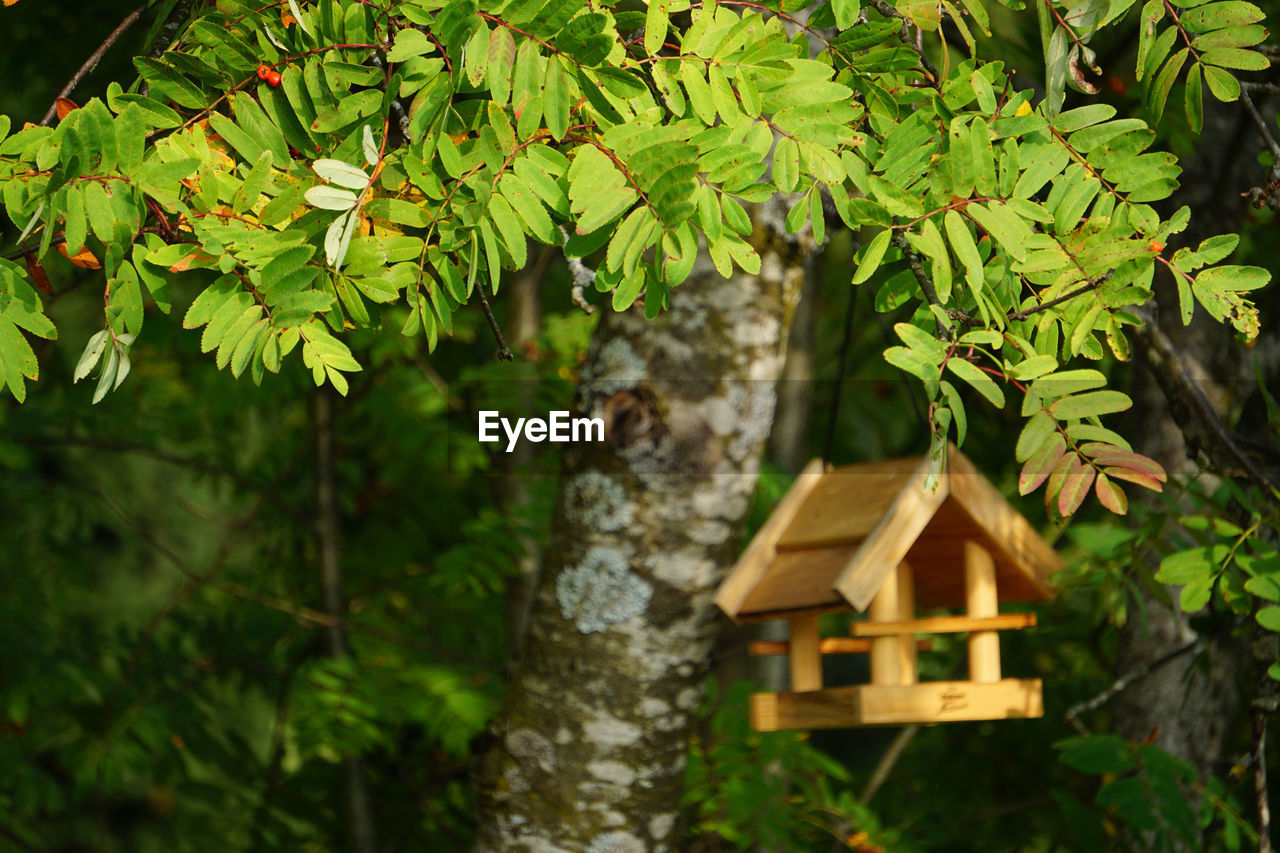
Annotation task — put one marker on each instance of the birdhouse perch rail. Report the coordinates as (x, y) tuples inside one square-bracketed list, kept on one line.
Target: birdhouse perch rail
[(829, 646), (944, 625)]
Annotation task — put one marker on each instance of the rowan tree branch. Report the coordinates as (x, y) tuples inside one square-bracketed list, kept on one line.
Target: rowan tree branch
[(899, 239), (1091, 285), (93, 60), (327, 521), (1196, 417), (1123, 682), (504, 351), (1264, 130), (885, 765)]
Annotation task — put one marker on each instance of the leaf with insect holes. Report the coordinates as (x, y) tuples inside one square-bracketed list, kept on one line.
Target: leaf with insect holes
[(91, 356)]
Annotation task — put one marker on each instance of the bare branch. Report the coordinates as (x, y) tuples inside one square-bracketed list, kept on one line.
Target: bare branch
[(93, 60), (1195, 414), (1121, 683), (1264, 130), (504, 351)]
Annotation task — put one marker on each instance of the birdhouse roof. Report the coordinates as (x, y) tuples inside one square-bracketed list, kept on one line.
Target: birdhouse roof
[(834, 538)]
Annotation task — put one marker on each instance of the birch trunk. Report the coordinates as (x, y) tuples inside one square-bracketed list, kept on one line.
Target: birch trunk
[(589, 751)]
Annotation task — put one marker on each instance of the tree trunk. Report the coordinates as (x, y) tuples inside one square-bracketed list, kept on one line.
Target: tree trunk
[(1189, 712), (589, 751), (364, 837)]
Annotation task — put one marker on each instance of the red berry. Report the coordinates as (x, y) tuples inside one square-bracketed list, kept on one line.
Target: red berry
[(264, 71), (273, 78)]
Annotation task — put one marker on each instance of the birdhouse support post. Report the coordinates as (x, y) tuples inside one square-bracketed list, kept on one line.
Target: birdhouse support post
[(893, 656), (884, 650), (981, 601), (805, 654)]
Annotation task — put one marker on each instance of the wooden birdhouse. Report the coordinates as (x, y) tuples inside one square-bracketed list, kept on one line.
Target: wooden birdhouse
[(870, 538)]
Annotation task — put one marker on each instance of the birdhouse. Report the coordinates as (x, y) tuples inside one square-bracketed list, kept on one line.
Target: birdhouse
[(871, 538)]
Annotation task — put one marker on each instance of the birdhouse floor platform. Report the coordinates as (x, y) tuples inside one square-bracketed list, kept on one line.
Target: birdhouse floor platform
[(879, 705)]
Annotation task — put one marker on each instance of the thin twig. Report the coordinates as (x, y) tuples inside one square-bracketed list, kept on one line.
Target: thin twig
[(1090, 285), (1260, 779), (890, 758), (1258, 86), (913, 260), (504, 351), (1170, 370), (1121, 683), (1265, 130), (93, 60)]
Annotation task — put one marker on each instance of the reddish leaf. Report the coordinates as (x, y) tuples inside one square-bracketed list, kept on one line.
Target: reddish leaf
[(189, 261), (84, 259), (1057, 478), (1040, 466), (1111, 495), (1132, 476), (1075, 486), (64, 106), (1109, 454), (38, 275)]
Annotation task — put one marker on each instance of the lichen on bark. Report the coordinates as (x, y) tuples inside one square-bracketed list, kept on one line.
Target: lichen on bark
[(588, 753)]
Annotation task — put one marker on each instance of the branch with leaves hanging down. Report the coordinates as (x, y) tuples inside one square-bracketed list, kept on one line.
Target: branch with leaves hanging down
[(270, 161)]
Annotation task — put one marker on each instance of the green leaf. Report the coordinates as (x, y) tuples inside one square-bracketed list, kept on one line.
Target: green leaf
[(92, 354), (1231, 57), (966, 250), (914, 361), (786, 165), (1037, 431), (1194, 99), (1090, 405), (1269, 618), (980, 381), (871, 256), (556, 99), (331, 198), (1096, 754), (1223, 84), (1218, 16), (340, 173), (409, 43)]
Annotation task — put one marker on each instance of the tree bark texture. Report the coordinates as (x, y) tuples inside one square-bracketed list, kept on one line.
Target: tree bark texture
[(1189, 710), (589, 751)]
